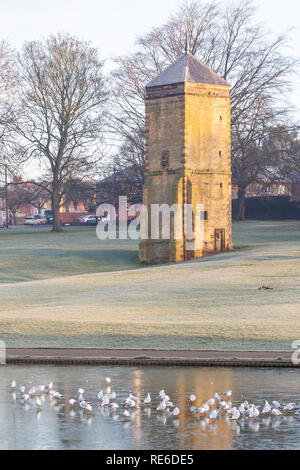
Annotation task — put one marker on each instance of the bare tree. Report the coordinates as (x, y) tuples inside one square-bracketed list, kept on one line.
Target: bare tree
[(63, 97), (8, 98), (8, 85), (40, 194), (229, 40), (77, 191), (17, 196)]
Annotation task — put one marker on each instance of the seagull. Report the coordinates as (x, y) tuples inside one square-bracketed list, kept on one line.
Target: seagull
[(57, 395), (162, 406), (147, 400), (128, 403), (161, 395), (25, 397), (227, 394), (113, 396), (236, 415), (22, 390), (192, 398), (40, 389), (72, 402), (267, 408), (210, 402), (32, 391), (223, 406), (276, 412), (105, 401), (13, 385), (213, 414), (134, 398), (289, 407), (218, 398), (276, 405), (38, 403), (242, 408), (86, 407), (80, 399), (203, 409), (176, 412), (170, 404), (254, 413), (114, 406)]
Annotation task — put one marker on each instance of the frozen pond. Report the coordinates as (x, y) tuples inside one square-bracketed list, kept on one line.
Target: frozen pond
[(56, 426)]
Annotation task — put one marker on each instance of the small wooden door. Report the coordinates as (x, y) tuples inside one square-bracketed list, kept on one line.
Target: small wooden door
[(219, 240)]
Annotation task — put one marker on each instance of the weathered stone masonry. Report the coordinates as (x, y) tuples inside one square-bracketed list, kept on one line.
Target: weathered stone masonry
[(188, 157)]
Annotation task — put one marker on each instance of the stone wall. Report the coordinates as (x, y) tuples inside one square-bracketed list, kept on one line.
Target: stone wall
[(188, 162)]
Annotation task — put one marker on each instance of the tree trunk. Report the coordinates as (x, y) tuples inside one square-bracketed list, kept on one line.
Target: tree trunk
[(56, 214), (241, 213)]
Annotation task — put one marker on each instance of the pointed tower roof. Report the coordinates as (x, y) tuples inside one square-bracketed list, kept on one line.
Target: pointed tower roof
[(187, 69)]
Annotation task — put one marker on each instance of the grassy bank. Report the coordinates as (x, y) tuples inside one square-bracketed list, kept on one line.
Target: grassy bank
[(87, 293)]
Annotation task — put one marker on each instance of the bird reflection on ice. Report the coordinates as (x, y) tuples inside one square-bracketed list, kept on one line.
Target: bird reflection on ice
[(150, 408)]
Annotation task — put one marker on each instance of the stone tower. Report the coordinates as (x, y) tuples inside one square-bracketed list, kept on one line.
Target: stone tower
[(188, 158)]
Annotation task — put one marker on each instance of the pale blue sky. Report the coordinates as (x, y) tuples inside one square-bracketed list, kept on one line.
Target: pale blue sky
[(112, 25)]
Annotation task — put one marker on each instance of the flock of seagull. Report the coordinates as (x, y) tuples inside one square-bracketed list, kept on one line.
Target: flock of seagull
[(212, 410)]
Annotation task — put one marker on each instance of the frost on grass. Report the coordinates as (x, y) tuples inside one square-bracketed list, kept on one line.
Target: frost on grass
[(213, 303)]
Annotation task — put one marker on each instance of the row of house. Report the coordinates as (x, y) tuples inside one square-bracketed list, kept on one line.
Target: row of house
[(69, 211), (72, 210)]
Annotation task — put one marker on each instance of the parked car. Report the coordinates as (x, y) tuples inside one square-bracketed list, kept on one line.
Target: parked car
[(79, 219), (29, 221), (40, 219), (49, 216), (85, 219), (93, 220), (36, 220)]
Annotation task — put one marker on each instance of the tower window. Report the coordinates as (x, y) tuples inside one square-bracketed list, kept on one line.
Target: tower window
[(221, 118), (205, 214), (220, 154), (164, 158), (221, 185)]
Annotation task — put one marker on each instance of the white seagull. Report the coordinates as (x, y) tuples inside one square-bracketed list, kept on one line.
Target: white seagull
[(210, 402), (236, 415), (162, 406), (147, 400), (218, 398), (213, 414), (289, 407), (266, 409), (175, 412)]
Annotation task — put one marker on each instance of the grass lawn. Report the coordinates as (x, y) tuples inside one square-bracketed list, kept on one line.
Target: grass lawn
[(71, 290), (28, 254)]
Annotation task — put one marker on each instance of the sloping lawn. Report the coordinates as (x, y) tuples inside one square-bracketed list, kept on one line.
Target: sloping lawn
[(92, 294), (28, 254)]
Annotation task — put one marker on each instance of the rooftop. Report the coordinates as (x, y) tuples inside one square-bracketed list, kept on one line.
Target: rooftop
[(187, 69)]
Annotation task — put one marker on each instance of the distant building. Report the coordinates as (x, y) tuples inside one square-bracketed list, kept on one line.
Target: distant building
[(258, 190)]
